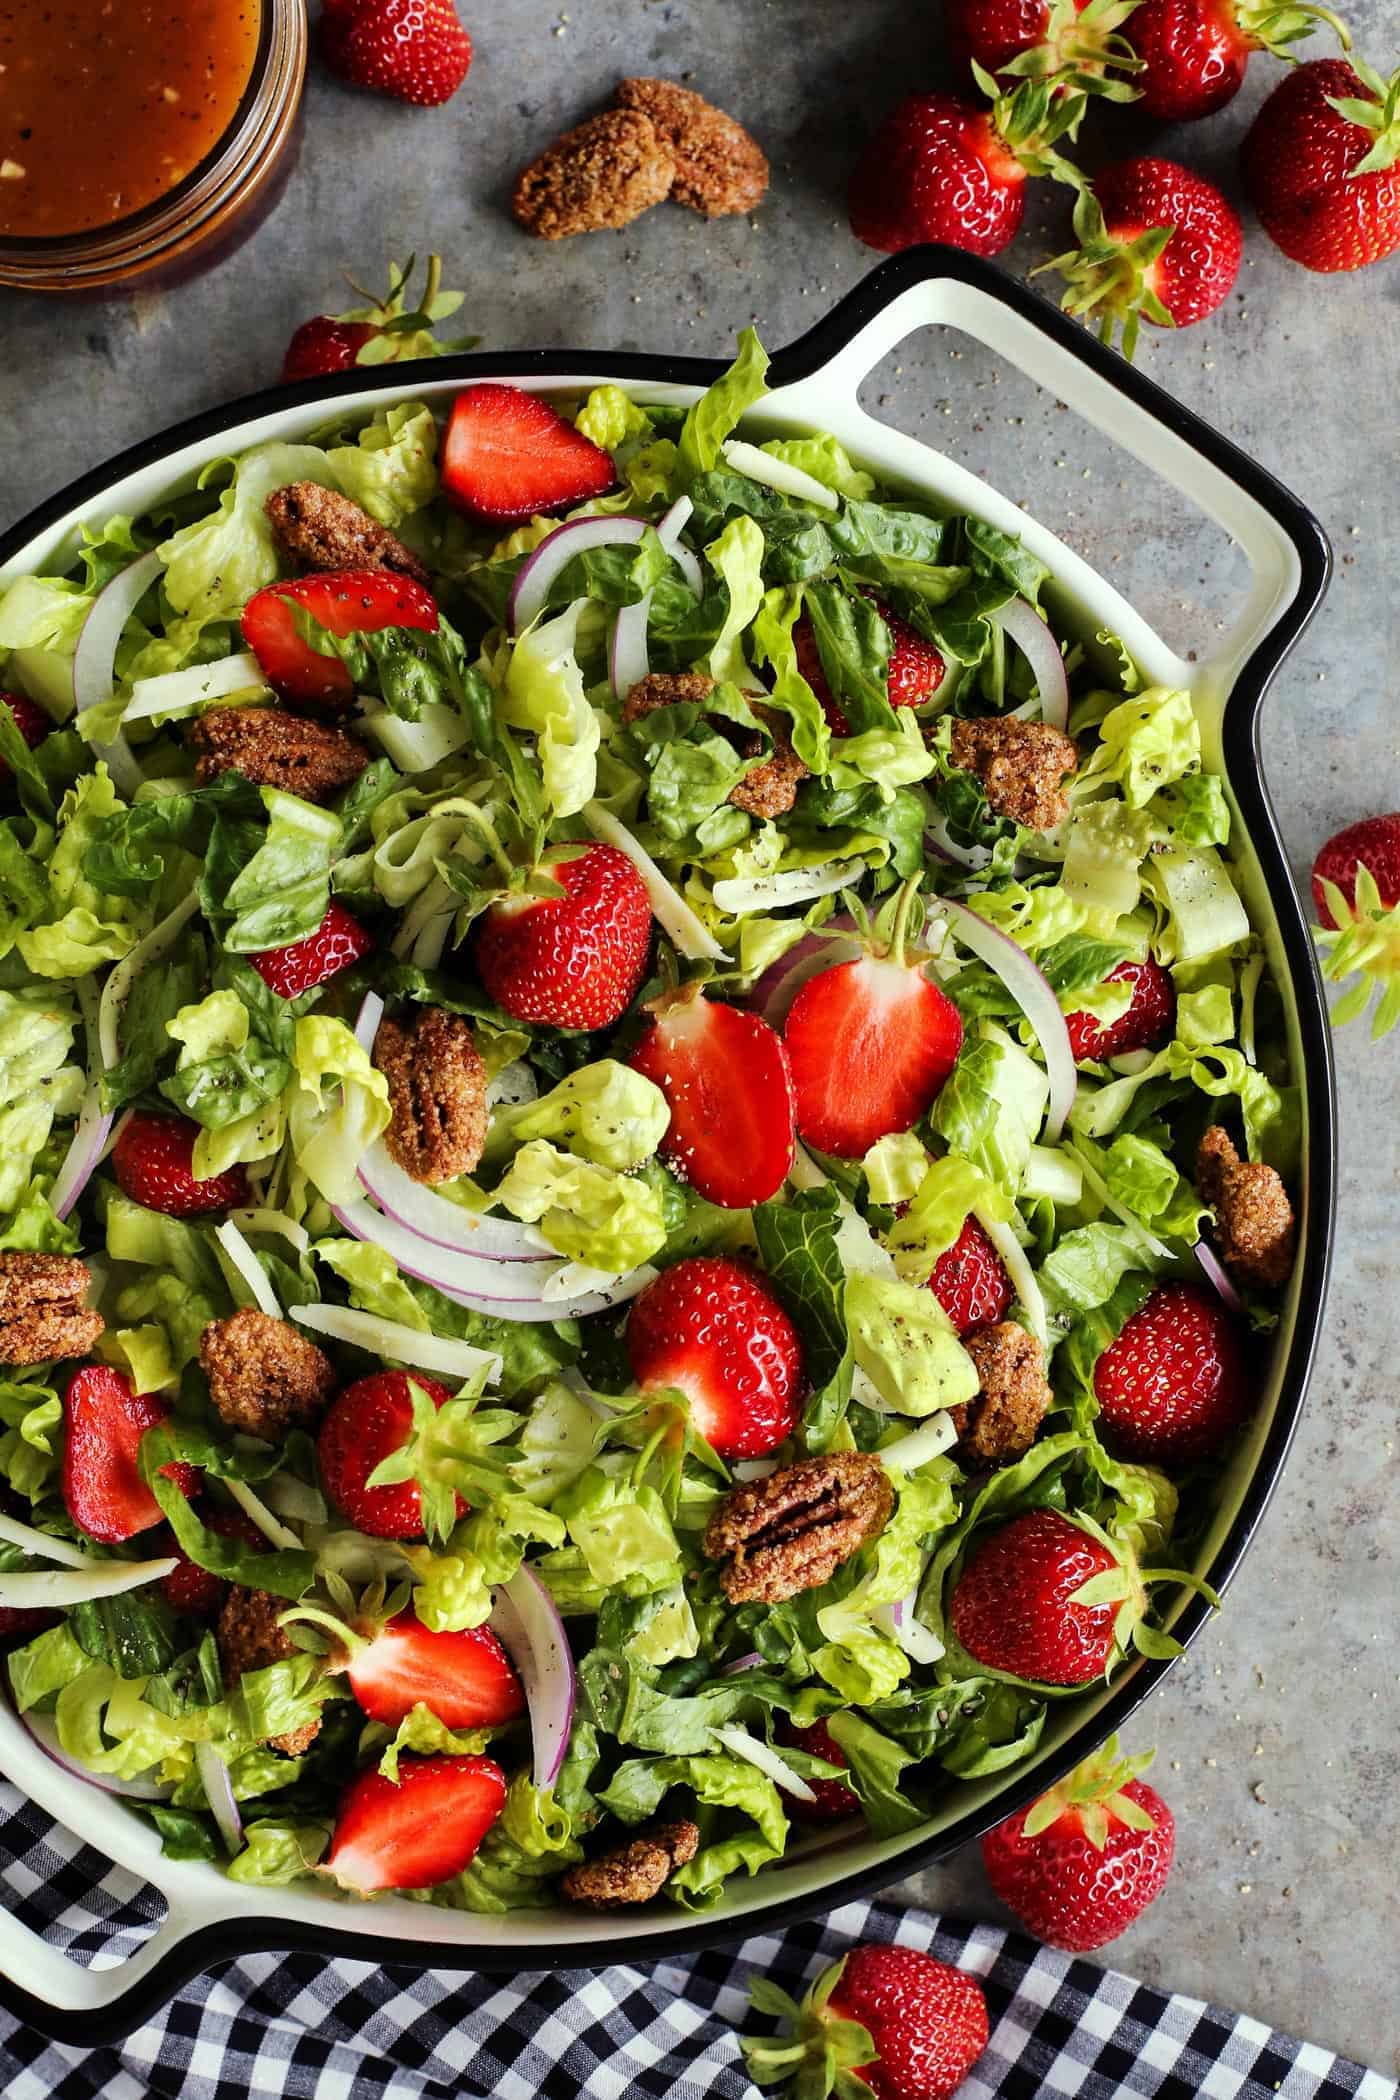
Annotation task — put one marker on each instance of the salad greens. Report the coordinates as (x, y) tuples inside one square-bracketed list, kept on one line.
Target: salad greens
[(488, 745)]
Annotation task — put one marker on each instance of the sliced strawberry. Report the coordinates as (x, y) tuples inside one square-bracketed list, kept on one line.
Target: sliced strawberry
[(419, 1832), (508, 456), (345, 601), (104, 1422), (338, 941), (1148, 1022), (916, 670), (31, 722), (153, 1160), (871, 1042), (711, 1328), (574, 961), (466, 1678), (970, 1282), (835, 1801), (367, 1423), (727, 1084)]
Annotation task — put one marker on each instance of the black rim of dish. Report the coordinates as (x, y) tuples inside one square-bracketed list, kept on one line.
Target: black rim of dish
[(223, 1942)]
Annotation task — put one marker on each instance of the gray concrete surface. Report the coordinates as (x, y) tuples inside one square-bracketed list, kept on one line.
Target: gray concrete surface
[(1278, 1736)]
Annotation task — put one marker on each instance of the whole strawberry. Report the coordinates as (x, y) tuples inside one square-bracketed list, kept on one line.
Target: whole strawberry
[(382, 331), (1072, 43), (574, 961), (1156, 243), (1194, 53), (1319, 165), (1173, 1387), (1016, 1607), (378, 1424), (1087, 1858), (970, 1282), (153, 1160), (711, 1328), (415, 50), (1148, 1021), (941, 168), (1356, 889), (891, 2018)]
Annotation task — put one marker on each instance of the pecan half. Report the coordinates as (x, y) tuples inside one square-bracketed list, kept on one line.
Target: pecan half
[(603, 173), (42, 1315), (264, 1376), (1022, 767), (325, 530), (777, 1537), (437, 1094), (1001, 1423), (250, 1638), (1254, 1224), (770, 789), (274, 749), (634, 1872), (720, 168)]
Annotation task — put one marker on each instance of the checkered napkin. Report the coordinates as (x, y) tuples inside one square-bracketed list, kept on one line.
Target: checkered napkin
[(276, 2024)]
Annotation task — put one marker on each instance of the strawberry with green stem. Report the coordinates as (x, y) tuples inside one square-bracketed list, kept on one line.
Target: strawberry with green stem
[(1193, 54), (393, 1662), (1156, 243), (382, 331), (1320, 165), (1073, 44), (1356, 892), (892, 2021), (1086, 1859)]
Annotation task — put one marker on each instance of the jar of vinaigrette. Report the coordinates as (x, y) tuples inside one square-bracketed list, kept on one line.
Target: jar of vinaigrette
[(140, 136)]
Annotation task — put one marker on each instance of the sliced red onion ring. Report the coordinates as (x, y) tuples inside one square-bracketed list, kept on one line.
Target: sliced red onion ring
[(1031, 990), (1218, 1277), (94, 1122), (526, 1620), (117, 989), (256, 1511), (218, 1792), (249, 1268), (431, 1217), (781, 982), (504, 1284), (1019, 620), (367, 1021), (538, 572), (94, 659), (45, 1734), (628, 661), (752, 1661), (902, 1621), (918, 1446), (275, 1221)]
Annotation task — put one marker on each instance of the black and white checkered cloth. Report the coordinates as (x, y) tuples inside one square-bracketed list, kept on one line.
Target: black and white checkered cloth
[(282, 2025)]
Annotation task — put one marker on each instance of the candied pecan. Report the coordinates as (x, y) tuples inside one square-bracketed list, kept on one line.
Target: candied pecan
[(325, 530), (264, 1376), (604, 173), (250, 1638), (275, 749), (42, 1315), (770, 790), (720, 169), (437, 1093), (777, 1537), (1022, 767), (634, 1872), (665, 689), (1001, 1422), (1254, 1223)]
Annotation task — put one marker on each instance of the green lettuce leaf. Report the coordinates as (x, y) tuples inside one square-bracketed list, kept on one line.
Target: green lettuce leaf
[(390, 470), (604, 1113), (716, 415), (588, 1213)]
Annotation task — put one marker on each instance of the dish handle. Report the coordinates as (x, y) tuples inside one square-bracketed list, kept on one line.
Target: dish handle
[(39, 1975), (1287, 551)]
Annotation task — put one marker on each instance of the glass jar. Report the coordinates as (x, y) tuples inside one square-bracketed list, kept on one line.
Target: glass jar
[(215, 206)]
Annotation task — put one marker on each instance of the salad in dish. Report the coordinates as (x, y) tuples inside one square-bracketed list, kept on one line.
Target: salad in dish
[(644, 1154)]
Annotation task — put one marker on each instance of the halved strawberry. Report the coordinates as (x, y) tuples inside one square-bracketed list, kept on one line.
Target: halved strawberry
[(508, 457), (834, 1801), (916, 670), (153, 1161), (727, 1084), (871, 1043), (367, 1423), (970, 1282), (345, 601), (30, 720), (103, 1423), (419, 1832), (711, 1328), (338, 941), (466, 1678), (574, 961), (1146, 1025)]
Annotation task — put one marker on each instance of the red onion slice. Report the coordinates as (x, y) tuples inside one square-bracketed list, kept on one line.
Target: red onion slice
[(218, 1792), (526, 1620), (1031, 990), (752, 1661), (1218, 1277), (45, 1735), (902, 1621), (431, 1217), (628, 661), (94, 1122), (1033, 637), (94, 659), (501, 1285), (537, 574)]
